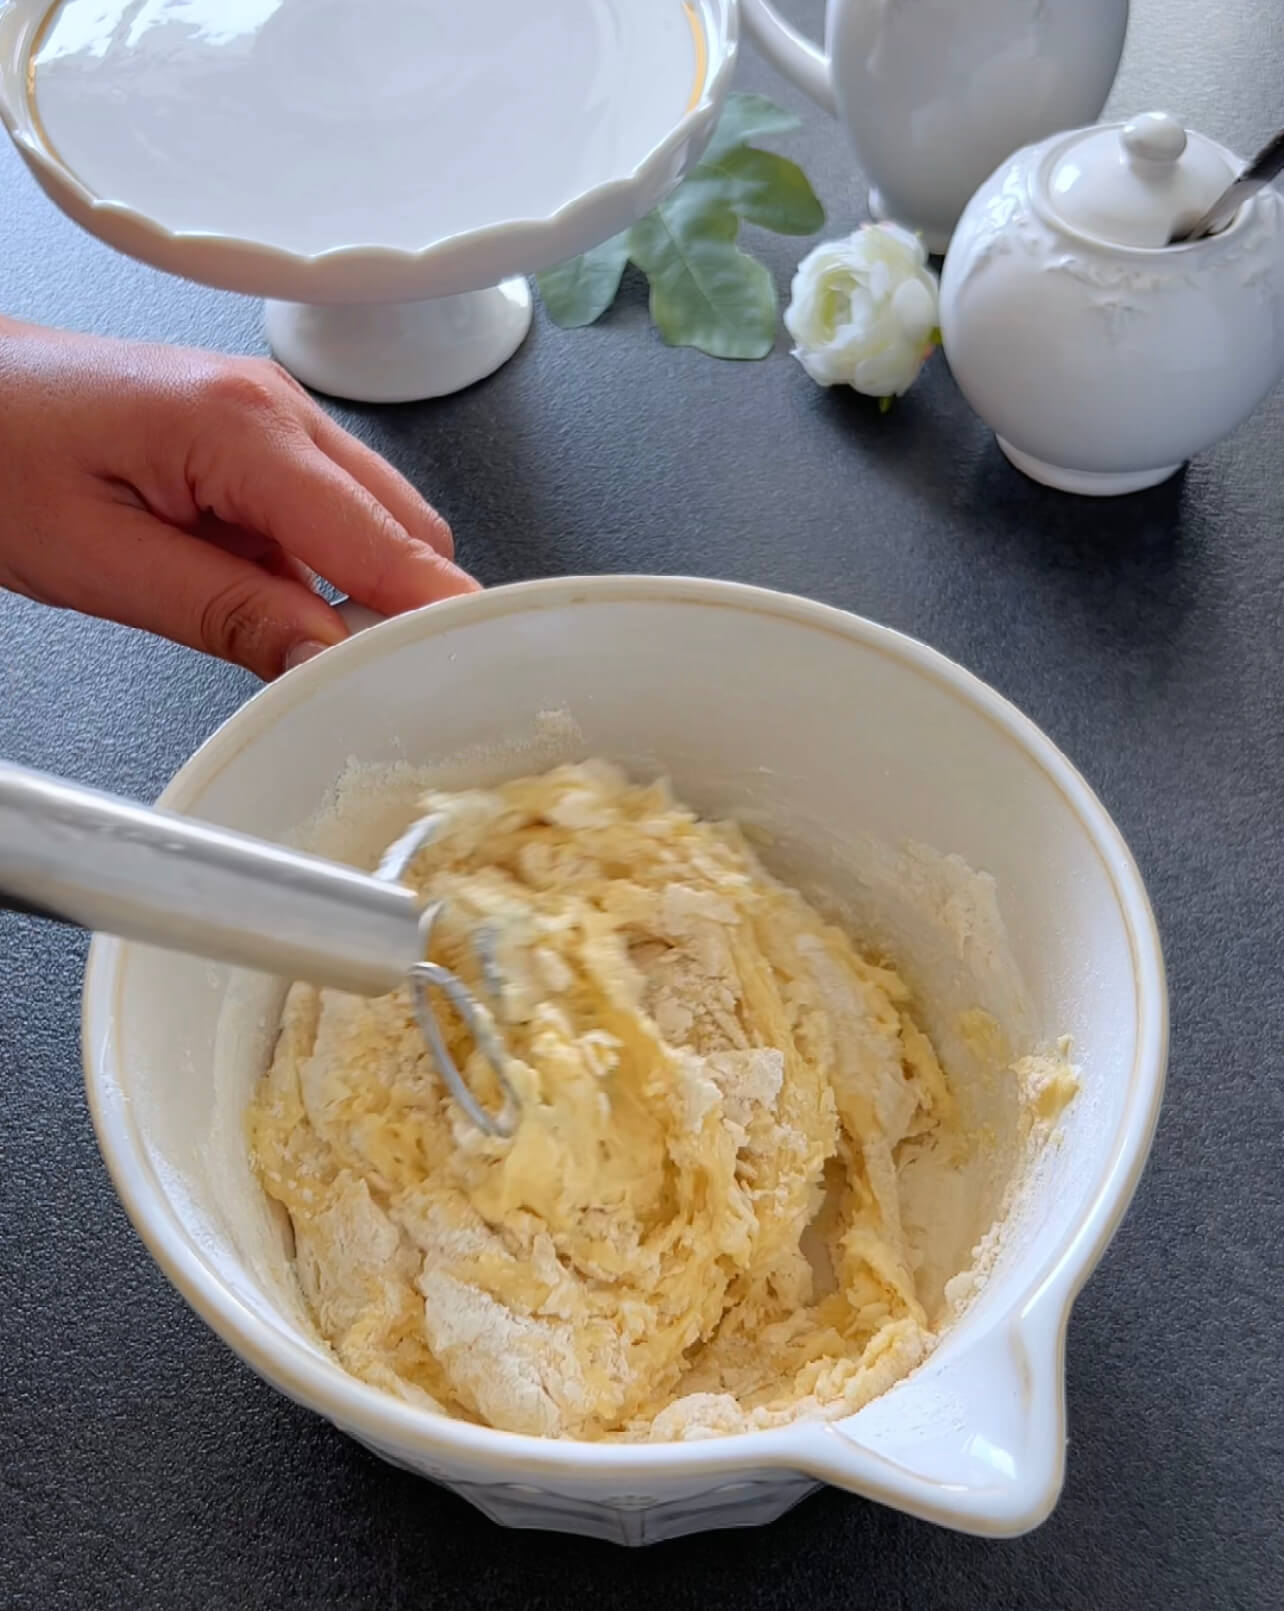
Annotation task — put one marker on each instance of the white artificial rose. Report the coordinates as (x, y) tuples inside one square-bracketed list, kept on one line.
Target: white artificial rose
[(863, 311)]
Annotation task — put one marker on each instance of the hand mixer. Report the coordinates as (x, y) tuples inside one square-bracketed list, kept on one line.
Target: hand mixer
[(91, 859)]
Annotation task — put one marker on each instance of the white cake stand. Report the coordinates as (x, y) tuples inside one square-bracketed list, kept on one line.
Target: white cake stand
[(381, 171)]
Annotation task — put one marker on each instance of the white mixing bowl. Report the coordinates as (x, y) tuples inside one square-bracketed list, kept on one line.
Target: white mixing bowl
[(847, 742)]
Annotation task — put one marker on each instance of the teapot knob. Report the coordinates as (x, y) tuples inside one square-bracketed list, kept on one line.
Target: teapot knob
[(1154, 137)]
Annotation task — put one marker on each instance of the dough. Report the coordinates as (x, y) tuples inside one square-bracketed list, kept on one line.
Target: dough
[(696, 1227)]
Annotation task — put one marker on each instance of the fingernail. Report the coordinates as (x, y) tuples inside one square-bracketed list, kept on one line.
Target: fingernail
[(309, 649)]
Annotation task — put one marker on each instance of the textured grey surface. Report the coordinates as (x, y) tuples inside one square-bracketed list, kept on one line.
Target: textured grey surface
[(141, 1465)]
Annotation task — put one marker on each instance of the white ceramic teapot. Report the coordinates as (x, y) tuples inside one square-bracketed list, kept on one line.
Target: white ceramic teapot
[(934, 94), (1100, 355)]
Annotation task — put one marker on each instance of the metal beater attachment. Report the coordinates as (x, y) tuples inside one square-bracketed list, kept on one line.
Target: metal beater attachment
[(91, 859), (425, 976)]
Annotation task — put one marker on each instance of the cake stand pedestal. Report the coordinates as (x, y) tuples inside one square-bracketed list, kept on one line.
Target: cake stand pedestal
[(394, 352)]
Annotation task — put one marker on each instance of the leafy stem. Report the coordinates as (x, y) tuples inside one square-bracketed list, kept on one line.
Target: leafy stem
[(706, 291)]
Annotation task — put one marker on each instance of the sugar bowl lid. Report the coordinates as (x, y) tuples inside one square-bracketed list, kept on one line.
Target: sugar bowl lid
[(1136, 185)]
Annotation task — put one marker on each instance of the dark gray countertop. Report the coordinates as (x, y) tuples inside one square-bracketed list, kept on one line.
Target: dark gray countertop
[(142, 1466)]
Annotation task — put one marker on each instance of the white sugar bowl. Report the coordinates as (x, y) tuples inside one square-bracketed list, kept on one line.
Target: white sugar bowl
[(1101, 356)]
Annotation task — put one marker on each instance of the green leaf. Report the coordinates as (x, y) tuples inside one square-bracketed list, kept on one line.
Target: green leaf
[(766, 189), (747, 117), (578, 292), (705, 292)]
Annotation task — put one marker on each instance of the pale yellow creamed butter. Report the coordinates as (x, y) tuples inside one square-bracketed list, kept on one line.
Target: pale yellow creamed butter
[(696, 1227)]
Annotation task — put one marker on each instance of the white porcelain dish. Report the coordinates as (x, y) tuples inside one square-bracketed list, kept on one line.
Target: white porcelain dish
[(1102, 357), (829, 731), (358, 166)]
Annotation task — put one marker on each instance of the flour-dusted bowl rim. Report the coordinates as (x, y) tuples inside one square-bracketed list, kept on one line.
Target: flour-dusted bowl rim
[(1025, 1343)]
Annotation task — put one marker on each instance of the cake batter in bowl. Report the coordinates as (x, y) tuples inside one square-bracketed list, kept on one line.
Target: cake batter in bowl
[(914, 811)]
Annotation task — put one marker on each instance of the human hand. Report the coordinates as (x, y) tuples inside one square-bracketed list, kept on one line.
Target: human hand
[(199, 497)]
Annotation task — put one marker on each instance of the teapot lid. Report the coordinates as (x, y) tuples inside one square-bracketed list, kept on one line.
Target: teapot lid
[(1136, 185)]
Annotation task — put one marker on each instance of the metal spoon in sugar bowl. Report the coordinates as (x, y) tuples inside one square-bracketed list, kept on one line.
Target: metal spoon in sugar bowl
[(1265, 166)]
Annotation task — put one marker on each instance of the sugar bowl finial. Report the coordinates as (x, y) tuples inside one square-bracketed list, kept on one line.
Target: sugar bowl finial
[(1102, 355), (1153, 137)]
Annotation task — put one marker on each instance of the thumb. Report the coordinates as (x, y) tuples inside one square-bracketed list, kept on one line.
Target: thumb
[(153, 576)]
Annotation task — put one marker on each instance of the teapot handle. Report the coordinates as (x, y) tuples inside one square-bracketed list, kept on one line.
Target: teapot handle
[(790, 53)]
